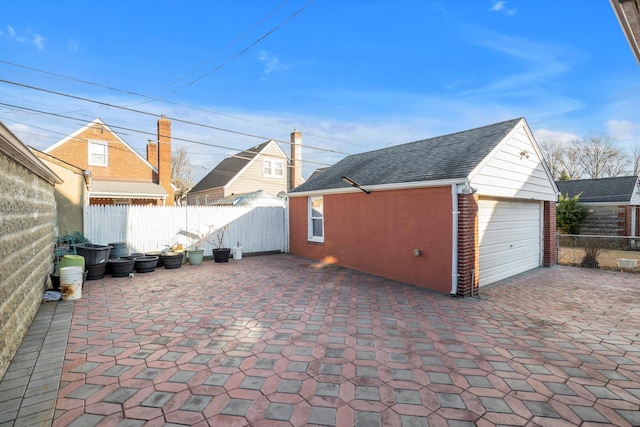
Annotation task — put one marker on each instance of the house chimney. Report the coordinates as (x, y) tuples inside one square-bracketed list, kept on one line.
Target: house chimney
[(164, 158), (295, 172), (152, 153)]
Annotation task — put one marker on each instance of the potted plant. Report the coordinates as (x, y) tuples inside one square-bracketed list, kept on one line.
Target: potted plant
[(216, 238), (195, 255)]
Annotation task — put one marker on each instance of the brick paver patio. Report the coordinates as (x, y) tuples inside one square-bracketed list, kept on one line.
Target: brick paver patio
[(283, 341)]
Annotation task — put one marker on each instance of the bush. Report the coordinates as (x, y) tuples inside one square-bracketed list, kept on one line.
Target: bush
[(570, 214)]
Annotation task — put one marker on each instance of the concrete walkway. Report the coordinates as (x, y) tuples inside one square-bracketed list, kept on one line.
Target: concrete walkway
[(30, 386), (283, 341)]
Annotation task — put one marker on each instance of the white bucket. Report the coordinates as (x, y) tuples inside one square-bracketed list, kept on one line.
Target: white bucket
[(71, 282), (237, 252)]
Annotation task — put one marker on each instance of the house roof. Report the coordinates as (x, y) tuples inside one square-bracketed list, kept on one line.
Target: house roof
[(97, 121), (123, 189), (259, 197), (628, 14), (15, 149), (619, 189), (227, 169), (445, 157)]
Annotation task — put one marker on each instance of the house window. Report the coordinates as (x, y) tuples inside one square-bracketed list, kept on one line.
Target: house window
[(206, 199), (316, 219), (273, 168), (98, 153), (197, 200)]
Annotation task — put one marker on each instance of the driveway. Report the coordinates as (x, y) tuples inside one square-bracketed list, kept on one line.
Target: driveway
[(283, 341)]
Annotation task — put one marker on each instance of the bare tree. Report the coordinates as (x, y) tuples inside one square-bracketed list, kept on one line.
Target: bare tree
[(181, 173), (635, 160), (571, 164), (599, 158), (553, 153)]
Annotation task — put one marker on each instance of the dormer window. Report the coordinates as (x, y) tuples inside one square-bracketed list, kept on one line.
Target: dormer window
[(98, 153)]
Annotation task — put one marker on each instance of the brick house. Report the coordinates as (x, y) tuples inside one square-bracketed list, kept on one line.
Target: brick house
[(264, 167), (614, 204), (451, 213), (119, 175)]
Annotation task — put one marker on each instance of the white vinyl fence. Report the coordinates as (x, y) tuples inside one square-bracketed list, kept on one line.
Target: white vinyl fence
[(152, 228)]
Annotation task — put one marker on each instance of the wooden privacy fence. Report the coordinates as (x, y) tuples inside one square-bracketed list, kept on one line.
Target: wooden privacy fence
[(152, 228)]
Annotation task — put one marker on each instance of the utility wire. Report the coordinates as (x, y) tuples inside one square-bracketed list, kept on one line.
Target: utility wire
[(150, 133), (175, 119), (132, 93), (237, 39)]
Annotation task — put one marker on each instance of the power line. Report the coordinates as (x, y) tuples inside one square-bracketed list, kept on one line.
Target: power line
[(133, 93), (151, 133), (230, 44), (175, 119)]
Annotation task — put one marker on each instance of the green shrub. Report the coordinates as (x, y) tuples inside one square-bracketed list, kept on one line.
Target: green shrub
[(570, 214)]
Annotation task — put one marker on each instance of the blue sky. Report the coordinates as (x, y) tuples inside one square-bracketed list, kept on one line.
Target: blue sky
[(350, 75)]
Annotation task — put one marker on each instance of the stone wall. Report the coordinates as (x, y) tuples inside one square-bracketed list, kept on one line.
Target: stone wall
[(27, 220)]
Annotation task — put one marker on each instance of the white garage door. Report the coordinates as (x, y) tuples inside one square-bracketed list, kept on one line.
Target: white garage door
[(510, 238)]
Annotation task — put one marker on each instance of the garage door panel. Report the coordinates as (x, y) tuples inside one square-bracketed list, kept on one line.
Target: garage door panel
[(509, 233)]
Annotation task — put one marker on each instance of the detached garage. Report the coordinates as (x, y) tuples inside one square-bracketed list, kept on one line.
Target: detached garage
[(451, 213)]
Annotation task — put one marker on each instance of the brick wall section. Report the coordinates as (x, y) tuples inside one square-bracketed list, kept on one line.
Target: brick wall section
[(27, 218), (164, 158), (468, 250), (550, 246), (152, 154), (122, 162)]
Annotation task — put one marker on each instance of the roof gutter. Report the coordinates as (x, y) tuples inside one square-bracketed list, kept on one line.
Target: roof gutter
[(381, 187)]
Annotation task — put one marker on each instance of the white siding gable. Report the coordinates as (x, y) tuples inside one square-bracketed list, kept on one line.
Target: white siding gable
[(515, 169), (635, 196)]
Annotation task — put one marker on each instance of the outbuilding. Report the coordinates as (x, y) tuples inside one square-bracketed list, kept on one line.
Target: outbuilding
[(450, 213)]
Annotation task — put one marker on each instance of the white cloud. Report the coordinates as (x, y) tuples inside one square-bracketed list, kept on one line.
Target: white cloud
[(38, 41), (501, 6), (272, 63), (554, 135), (624, 130)]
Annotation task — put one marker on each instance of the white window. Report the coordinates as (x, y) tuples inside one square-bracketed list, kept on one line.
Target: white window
[(98, 153), (316, 219), (206, 199), (197, 200), (273, 168)]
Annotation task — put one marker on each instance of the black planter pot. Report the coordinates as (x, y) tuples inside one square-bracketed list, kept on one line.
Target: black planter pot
[(96, 271), (93, 254), (121, 267), (146, 264), (157, 255), (119, 249), (221, 255), (172, 260), (55, 282)]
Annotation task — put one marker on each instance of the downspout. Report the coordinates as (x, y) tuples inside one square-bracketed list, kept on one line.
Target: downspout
[(634, 220), (454, 239)]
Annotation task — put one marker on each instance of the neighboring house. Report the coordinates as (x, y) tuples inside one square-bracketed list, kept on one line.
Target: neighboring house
[(263, 167), (614, 204), (449, 213), (119, 174), (71, 195), (628, 14), (255, 199), (28, 218)]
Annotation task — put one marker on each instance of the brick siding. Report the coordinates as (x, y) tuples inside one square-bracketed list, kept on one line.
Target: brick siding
[(468, 250)]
